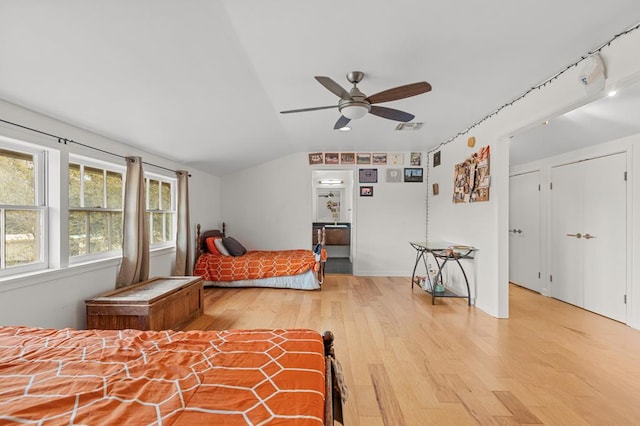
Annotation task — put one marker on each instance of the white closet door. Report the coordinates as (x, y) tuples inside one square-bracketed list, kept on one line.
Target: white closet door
[(605, 219), (567, 219), (524, 230)]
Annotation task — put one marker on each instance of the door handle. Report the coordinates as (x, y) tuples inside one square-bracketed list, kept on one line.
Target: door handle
[(519, 231), (588, 236), (578, 235)]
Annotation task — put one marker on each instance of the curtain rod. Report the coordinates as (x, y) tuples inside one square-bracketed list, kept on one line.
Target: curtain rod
[(68, 141)]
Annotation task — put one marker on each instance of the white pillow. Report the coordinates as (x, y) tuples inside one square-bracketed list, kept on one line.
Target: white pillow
[(221, 248)]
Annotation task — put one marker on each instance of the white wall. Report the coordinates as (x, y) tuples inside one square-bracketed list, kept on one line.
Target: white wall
[(270, 207), (485, 225), (55, 298)]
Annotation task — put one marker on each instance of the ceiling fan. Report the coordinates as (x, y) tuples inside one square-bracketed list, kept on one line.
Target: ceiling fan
[(354, 104)]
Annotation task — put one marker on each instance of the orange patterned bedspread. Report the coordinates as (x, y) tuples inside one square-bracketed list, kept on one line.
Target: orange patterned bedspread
[(161, 377), (254, 265)]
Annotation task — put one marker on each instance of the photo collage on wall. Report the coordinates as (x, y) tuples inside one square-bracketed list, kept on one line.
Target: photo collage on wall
[(472, 178), (394, 170)]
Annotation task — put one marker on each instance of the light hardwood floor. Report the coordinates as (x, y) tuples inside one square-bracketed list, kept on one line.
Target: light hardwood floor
[(407, 362)]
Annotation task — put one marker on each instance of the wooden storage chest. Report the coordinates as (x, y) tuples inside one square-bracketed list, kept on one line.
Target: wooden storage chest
[(160, 303)]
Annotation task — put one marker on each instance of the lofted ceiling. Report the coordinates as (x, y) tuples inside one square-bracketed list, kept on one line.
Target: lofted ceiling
[(202, 81)]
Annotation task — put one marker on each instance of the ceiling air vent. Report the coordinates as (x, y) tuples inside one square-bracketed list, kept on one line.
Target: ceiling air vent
[(409, 126)]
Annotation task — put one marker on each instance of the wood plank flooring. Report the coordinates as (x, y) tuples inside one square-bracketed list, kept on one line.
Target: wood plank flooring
[(408, 362)]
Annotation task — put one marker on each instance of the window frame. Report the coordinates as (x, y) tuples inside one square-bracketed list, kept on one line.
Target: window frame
[(173, 183), (39, 156), (106, 167)]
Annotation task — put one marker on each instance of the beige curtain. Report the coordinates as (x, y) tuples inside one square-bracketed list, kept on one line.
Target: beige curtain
[(135, 238), (184, 265)]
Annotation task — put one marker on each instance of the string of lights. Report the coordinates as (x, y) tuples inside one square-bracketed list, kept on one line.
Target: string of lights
[(538, 86), (510, 103)]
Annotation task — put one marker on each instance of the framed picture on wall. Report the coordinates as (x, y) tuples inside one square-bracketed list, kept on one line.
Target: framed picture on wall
[(363, 158), (413, 174), (347, 158), (331, 158), (394, 175), (368, 175), (316, 158), (416, 159), (379, 158), (366, 191), (396, 159)]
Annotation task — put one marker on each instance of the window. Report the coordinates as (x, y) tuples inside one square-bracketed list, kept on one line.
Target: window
[(161, 214), (95, 209), (22, 209)]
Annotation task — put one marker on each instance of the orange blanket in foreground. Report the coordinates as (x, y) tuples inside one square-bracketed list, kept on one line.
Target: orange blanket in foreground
[(254, 265), (99, 377)]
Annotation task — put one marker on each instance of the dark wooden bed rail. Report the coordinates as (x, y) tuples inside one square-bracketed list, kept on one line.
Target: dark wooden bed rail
[(201, 245), (333, 387)]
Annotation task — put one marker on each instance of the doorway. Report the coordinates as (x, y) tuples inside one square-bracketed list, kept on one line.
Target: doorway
[(524, 230), (332, 207)]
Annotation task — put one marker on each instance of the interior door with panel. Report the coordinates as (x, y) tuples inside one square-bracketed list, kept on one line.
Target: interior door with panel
[(524, 230), (605, 236), (567, 219), (589, 246)]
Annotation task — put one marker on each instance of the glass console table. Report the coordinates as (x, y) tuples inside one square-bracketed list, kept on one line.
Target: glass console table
[(442, 253)]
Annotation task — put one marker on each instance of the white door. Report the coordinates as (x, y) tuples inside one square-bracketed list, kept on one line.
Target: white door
[(588, 241), (524, 230), (567, 219), (605, 236)]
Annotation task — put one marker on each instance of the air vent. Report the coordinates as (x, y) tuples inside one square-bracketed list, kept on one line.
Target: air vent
[(409, 126)]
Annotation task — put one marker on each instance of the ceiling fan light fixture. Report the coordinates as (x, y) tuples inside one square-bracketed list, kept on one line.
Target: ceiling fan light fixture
[(354, 110)]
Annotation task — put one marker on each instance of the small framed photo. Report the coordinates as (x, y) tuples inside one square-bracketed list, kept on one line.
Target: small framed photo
[(331, 158), (347, 158), (413, 174), (416, 159), (396, 159), (436, 159), (316, 158), (435, 189), (394, 175), (368, 175), (366, 191), (363, 158), (379, 158)]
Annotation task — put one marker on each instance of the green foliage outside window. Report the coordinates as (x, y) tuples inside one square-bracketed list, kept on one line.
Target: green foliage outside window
[(95, 210), (20, 226), (160, 214)]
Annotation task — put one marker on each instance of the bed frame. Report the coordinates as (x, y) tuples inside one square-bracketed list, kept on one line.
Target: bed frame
[(201, 244), (335, 392)]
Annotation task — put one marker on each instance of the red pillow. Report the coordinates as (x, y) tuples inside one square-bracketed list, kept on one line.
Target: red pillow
[(211, 245)]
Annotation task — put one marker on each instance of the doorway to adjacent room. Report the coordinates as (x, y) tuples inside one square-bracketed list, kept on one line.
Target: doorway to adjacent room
[(332, 207)]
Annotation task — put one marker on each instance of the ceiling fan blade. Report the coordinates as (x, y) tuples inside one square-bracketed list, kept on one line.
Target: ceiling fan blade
[(308, 109), (391, 114), (333, 87), (342, 121), (400, 92)]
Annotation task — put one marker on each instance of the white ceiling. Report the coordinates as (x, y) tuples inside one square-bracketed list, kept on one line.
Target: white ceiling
[(605, 119), (202, 81)]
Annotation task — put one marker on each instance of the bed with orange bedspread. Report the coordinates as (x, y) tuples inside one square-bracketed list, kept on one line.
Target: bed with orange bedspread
[(299, 269), (67, 376)]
